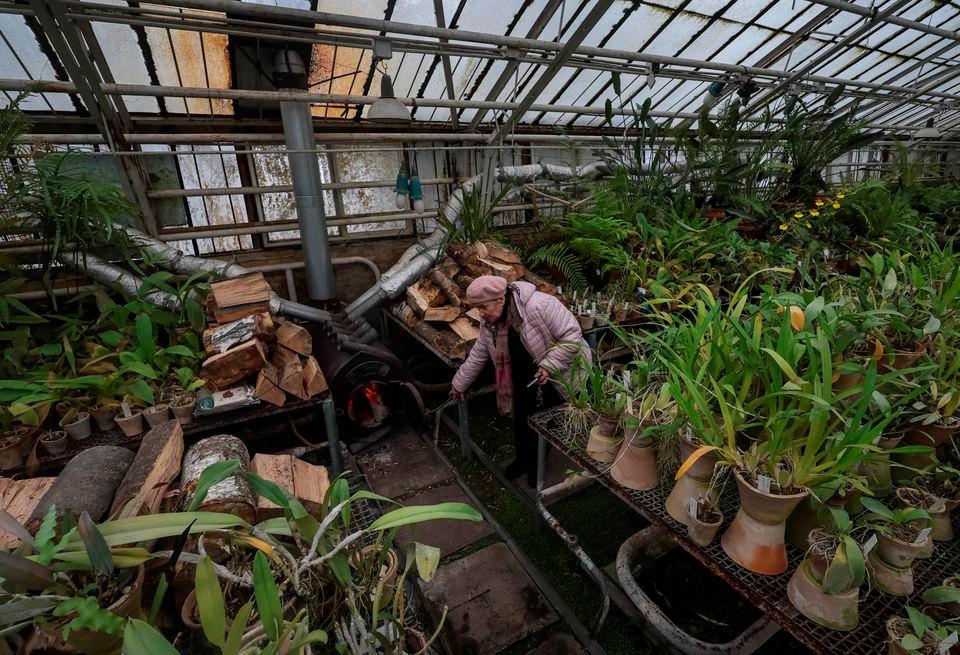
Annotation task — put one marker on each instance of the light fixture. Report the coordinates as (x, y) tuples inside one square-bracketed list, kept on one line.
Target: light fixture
[(928, 131), (416, 193), (387, 109), (401, 189), (652, 75), (713, 93)]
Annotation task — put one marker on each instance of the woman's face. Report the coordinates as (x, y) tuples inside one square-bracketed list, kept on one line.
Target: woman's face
[(490, 311)]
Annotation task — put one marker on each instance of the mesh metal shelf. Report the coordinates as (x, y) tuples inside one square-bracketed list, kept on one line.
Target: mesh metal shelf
[(767, 593)]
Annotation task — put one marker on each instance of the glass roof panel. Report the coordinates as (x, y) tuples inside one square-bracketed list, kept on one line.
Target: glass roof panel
[(21, 59), (122, 51)]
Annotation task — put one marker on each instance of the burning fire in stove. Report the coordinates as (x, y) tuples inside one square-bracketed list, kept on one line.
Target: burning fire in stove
[(367, 407)]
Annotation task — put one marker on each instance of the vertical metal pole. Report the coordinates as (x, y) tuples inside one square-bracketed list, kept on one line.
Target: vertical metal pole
[(333, 435), (465, 450), (541, 462)]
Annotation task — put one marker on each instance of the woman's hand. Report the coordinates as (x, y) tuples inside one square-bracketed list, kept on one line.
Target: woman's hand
[(455, 395), (542, 376)]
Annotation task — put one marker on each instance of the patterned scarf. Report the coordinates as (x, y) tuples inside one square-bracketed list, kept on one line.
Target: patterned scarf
[(501, 354)]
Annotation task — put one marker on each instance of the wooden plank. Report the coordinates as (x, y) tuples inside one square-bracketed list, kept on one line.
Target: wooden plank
[(224, 369), (19, 498), (442, 314), (156, 464), (313, 381), (465, 328), (295, 337), (308, 483), (267, 389)]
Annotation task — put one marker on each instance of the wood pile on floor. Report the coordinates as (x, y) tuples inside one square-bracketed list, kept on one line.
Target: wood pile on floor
[(435, 306), (244, 341)]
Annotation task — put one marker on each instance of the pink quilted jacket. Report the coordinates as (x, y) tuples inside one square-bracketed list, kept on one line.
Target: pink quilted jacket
[(550, 333)]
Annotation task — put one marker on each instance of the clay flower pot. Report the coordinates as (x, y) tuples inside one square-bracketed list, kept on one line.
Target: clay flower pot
[(900, 359), (157, 414), (695, 483), (182, 408), (608, 425), (131, 425), (934, 435), (102, 416), (586, 322), (755, 538), (602, 448), (837, 612), (636, 465), (77, 425), (702, 532), (54, 441), (890, 564), (875, 467), (10, 453), (936, 508)]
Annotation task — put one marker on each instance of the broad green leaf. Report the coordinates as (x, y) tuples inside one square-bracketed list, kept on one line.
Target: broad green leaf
[(267, 597), (158, 526), (911, 642), (144, 332), (889, 283), (408, 515), (877, 508), (141, 638), (210, 603), (237, 629), (210, 476), (158, 596), (941, 594), (143, 391)]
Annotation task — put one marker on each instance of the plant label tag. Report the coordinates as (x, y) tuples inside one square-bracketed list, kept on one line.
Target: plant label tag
[(948, 643), (922, 537), (693, 507), (126, 410), (593, 309), (763, 483), (559, 291), (630, 405), (868, 546)]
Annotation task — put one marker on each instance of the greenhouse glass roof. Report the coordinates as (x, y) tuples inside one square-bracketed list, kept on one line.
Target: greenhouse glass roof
[(556, 60)]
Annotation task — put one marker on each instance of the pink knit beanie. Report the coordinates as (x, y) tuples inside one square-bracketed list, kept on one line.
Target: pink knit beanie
[(486, 288)]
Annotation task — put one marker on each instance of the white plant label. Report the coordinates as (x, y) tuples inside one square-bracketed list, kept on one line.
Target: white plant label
[(593, 308), (871, 542), (630, 405), (948, 643), (574, 295), (610, 306), (693, 507), (922, 537), (126, 410), (559, 291), (763, 483)]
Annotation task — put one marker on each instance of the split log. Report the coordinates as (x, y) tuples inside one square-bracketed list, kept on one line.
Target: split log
[(422, 295), (19, 498), (295, 337), (240, 296), (442, 314), (291, 378), (221, 338), (156, 465), (474, 315), (465, 328), (451, 344), (476, 269), (450, 290), (267, 388), (282, 355), (449, 267), (220, 371), (306, 482), (481, 248), (231, 496), (503, 270), (463, 280), (462, 252), (87, 484), (502, 254), (314, 383), (406, 315)]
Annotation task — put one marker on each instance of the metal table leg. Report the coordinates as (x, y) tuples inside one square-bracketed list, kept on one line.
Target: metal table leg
[(541, 462), (465, 450), (333, 436)]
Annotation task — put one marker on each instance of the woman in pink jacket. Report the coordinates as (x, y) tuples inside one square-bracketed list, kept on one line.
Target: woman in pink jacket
[(531, 337)]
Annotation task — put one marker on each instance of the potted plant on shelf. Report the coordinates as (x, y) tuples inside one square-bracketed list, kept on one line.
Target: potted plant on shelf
[(183, 399), (649, 418), (608, 403), (946, 595), (704, 520), (578, 414), (900, 540), (826, 586), (915, 498), (77, 424), (54, 441), (919, 633)]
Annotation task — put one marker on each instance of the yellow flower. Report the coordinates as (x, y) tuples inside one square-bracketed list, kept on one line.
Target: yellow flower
[(819, 203), (783, 226), (836, 205), (808, 224), (839, 195), (814, 212)]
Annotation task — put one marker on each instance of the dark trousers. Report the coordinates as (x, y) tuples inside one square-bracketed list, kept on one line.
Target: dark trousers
[(525, 404)]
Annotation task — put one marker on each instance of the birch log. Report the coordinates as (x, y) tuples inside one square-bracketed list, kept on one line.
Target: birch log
[(234, 494)]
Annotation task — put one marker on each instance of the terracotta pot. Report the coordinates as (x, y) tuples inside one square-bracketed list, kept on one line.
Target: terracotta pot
[(601, 448), (586, 322), (25, 436), (10, 454), (184, 413), (103, 417), (900, 359), (608, 426), (713, 214), (695, 483), (701, 532), (54, 441), (837, 612), (930, 435), (414, 640), (78, 426), (157, 414), (889, 579), (875, 467), (895, 552), (131, 425), (936, 508), (896, 629), (188, 612), (636, 465), (755, 538)]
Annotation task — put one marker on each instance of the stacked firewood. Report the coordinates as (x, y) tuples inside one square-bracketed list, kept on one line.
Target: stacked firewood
[(435, 306), (243, 340)]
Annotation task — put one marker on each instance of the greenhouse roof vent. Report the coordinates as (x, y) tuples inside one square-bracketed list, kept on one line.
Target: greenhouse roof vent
[(928, 131), (387, 109)]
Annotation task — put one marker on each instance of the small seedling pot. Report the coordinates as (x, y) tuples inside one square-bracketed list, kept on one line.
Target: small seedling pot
[(890, 579), (157, 414), (131, 425), (10, 453), (636, 465), (602, 448), (897, 553), (77, 425), (586, 322), (695, 483), (54, 441), (183, 411), (837, 612), (900, 359), (703, 532), (103, 417), (755, 539), (608, 426)]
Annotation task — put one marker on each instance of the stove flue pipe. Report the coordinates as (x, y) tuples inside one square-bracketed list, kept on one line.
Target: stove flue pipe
[(418, 259), (290, 74)]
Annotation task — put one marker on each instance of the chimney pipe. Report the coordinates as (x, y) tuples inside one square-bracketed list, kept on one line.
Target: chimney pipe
[(290, 74)]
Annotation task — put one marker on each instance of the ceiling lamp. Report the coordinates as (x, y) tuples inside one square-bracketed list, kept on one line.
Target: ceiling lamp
[(928, 131), (387, 109)]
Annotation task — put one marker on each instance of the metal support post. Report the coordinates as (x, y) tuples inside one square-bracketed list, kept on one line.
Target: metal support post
[(465, 451), (333, 435), (541, 462)]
